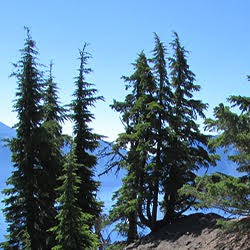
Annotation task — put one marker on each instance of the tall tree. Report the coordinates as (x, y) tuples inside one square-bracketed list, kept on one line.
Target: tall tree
[(51, 157), (73, 231), (22, 205), (164, 143), (85, 140), (187, 151), (162, 110), (136, 119)]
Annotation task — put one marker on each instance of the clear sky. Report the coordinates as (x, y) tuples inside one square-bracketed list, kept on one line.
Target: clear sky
[(216, 32)]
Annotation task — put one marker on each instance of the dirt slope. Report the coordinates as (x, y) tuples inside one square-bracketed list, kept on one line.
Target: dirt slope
[(197, 231)]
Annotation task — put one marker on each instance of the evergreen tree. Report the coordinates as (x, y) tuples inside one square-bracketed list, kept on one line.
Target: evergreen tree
[(164, 143), (85, 140), (162, 110), (187, 152), (22, 205), (229, 193), (51, 143), (234, 130), (52, 110), (72, 231), (135, 111)]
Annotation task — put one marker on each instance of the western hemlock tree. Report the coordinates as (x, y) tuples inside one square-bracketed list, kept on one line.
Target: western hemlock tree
[(73, 231), (162, 110), (85, 140), (52, 111), (187, 152), (164, 143), (22, 205), (136, 139), (51, 143)]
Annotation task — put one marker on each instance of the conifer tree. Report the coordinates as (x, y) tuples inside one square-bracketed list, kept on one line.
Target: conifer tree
[(52, 110), (51, 143), (234, 130), (135, 112), (224, 192), (187, 152), (73, 231), (22, 205), (85, 140), (229, 193), (162, 110), (164, 143)]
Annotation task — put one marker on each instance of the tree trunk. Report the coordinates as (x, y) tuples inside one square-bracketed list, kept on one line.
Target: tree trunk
[(132, 231)]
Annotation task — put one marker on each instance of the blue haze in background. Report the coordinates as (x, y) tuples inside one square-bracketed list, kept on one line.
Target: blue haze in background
[(109, 182)]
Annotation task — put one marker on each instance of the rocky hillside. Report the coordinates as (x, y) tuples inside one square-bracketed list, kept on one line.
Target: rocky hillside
[(197, 231)]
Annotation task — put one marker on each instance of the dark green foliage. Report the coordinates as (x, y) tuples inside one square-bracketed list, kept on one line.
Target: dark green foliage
[(37, 157), (162, 110), (221, 191), (51, 143), (186, 152), (162, 148), (164, 143), (73, 231), (51, 108), (135, 117), (22, 205), (237, 225), (117, 246), (36, 154), (234, 129), (85, 140), (125, 209)]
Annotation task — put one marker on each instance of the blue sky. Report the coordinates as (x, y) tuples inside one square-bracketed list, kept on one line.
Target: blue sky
[(215, 32)]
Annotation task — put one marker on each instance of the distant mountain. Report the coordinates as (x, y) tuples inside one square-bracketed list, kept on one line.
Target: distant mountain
[(109, 182), (5, 167), (5, 133), (224, 165)]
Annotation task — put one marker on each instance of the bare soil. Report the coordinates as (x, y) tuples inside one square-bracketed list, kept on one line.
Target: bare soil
[(197, 231)]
